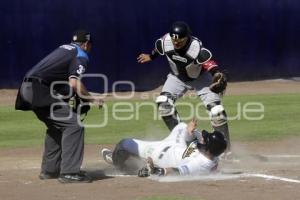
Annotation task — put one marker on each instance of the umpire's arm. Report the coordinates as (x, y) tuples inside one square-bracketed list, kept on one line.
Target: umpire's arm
[(82, 92)]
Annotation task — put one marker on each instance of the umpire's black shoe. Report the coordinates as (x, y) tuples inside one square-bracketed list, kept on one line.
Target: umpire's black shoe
[(74, 178), (47, 175)]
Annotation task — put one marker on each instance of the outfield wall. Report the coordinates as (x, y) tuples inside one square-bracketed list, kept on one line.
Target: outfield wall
[(252, 39)]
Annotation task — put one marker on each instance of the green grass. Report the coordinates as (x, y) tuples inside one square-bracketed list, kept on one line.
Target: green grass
[(281, 118)]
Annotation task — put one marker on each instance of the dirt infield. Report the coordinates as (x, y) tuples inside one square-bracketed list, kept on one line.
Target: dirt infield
[(19, 169), (260, 170)]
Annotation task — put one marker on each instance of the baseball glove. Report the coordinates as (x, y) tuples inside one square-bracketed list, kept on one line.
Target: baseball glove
[(219, 83), (151, 169), (144, 172)]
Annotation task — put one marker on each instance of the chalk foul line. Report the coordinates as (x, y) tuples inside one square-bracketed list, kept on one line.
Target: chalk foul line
[(270, 177), (220, 176)]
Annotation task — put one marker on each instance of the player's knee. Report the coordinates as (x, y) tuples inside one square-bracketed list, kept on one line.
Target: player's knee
[(120, 154), (166, 104), (123, 150), (218, 115), (123, 145)]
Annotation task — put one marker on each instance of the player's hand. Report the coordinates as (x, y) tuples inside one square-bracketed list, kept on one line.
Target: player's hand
[(98, 102), (150, 164), (155, 170), (192, 125), (148, 169), (143, 58)]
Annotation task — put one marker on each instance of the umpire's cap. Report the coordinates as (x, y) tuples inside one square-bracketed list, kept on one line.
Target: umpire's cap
[(81, 36)]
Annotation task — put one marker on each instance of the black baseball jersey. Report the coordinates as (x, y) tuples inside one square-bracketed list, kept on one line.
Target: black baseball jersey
[(66, 61), (186, 63)]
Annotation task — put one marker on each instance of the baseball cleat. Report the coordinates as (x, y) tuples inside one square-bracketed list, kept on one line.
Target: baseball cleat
[(107, 156), (74, 178), (46, 175)]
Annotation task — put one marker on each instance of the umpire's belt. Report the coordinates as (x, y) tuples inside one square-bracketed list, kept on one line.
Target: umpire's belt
[(30, 79)]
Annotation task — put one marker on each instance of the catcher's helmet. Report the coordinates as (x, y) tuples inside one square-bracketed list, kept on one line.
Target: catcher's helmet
[(180, 30), (215, 142)]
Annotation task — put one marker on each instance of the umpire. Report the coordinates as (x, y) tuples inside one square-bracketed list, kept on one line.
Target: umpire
[(41, 93)]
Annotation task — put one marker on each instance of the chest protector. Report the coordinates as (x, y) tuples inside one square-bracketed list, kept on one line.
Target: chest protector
[(185, 65)]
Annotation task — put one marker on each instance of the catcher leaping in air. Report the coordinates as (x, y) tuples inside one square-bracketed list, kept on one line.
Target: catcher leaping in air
[(192, 67)]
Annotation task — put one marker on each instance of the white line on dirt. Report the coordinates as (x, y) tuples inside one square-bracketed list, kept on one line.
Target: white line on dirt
[(120, 175), (227, 176), (282, 156), (271, 177)]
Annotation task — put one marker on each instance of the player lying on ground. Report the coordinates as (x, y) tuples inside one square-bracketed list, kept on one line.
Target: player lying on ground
[(186, 151)]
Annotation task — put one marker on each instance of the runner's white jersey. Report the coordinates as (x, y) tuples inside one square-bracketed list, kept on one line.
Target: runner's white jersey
[(169, 153), (197, 164)]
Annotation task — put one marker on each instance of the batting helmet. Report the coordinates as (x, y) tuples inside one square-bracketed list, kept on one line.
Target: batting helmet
[(180, 30), (215, 142)]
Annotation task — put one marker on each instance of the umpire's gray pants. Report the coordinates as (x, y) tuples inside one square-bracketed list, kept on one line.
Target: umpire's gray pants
[(64, 141), (178, 88)]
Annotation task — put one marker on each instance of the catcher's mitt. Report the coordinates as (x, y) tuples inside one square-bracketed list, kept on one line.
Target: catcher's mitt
[(150, 169), (219, 83)]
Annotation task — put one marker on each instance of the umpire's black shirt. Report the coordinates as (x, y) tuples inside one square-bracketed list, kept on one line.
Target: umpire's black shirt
[(67, 61), (64, 62)]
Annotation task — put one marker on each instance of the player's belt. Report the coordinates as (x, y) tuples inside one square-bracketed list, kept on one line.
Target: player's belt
[(161, 155), (30, 79)]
